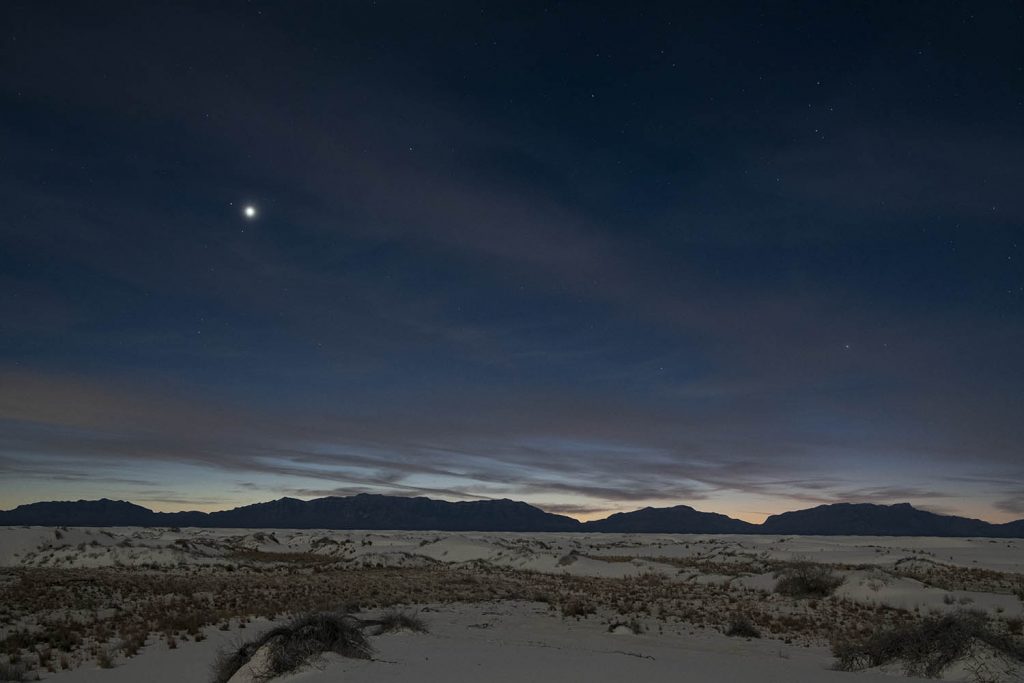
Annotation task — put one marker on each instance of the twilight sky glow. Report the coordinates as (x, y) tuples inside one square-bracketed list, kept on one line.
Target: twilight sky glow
[(749, 258)]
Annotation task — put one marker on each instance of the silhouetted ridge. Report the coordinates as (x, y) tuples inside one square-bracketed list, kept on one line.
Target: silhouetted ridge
[(1012, 529), (81, 513), (681, 519), (369, 511), (865, 519), (364, 511)]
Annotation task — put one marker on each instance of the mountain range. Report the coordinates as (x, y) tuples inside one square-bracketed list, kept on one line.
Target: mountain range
[(378, 512)]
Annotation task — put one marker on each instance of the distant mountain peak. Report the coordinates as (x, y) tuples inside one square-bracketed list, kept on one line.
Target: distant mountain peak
[(872, 519), (377, 511)]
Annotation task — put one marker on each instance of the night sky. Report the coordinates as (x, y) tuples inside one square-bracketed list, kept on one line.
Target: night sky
[(593, 256)]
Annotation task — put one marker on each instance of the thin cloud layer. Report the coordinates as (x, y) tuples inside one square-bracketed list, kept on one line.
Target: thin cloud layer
[(681, 270)]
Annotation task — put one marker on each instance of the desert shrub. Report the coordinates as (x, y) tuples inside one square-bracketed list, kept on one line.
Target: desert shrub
[(12, 672), (352, 606), (633, 625), (740, 626), (17, 641), (229, 661), (133, 643), (566, 560), (650, 578), (926, 648), (394, 620), (296, 645), (1015, 625), (104, 659), (807, 580), (577, 607)]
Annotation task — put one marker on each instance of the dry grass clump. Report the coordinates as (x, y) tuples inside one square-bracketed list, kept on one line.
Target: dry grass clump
[(248, 556), (566, 560), (300, 643), (14, 672), (117, 610), (807, 580), (955, 578), (633, 626), (577, 607), (104, 659), (740, 626), (394, 620), (176, 604), (927, 647)]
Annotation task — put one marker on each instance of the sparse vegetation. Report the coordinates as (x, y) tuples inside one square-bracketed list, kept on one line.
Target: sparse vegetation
[(577, 607), (395, 620), (805, 579), (104, 659), (952, 577), (928, 647), (110, 613), (740, 626), (633, 626), (568, 559), (299, 644), (176, 603), (13, 672)]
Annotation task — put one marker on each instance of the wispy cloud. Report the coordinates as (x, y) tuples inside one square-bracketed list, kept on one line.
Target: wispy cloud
[(452, 300)]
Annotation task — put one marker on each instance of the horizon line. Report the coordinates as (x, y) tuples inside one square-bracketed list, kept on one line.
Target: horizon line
[(536, 506)]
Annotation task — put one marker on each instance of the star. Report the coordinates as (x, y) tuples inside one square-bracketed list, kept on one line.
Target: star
[(249, 211)]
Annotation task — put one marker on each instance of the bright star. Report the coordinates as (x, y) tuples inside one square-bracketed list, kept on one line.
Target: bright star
[(249, 211)]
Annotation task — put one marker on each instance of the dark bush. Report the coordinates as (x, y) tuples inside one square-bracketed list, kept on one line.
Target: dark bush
[(104, 659), (928, 647), (566, 560), (393, 620), (577, 607), (742, 627), (298, 644), (807, 580), (12, 672), (633, 625)]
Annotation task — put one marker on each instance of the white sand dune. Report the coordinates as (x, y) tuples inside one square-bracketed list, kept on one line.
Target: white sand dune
[(517, 641), (45, 546)]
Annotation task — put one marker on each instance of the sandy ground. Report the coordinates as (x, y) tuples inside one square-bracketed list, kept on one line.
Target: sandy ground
[(515, 640), (83, 547)]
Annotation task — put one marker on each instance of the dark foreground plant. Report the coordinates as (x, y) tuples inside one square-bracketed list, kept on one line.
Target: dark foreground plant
[(741, 627), (577, 607), (300, 643), (394, 620), (807, 580), (13, 672), (928, 647)]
